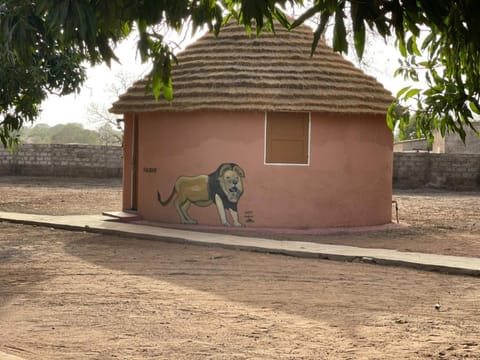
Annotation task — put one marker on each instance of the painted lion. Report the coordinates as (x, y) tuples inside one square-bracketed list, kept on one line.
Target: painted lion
[(224, 187)]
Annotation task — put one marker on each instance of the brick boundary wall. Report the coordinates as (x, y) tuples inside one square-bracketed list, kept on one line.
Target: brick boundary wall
[(410, 145), (439, 171), (71, 160), (410, 170)]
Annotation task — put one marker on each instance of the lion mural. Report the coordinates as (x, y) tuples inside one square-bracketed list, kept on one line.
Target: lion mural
[(224, 187)]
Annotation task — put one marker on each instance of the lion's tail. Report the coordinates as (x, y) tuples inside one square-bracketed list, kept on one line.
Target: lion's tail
[(165, 202)]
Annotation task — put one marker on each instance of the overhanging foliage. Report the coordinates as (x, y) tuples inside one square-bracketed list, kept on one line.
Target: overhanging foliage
[(45, 43)]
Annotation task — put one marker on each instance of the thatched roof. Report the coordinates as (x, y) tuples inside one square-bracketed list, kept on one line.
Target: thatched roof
[(272, 72)]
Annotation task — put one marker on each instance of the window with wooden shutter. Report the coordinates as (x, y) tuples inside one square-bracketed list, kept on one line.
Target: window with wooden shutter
[(287, 138)]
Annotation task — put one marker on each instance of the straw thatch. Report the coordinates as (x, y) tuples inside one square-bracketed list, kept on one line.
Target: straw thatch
[(272, 72)]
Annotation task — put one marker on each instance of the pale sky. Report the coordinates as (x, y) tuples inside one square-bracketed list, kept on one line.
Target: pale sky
[(72, 108), (381, 59)]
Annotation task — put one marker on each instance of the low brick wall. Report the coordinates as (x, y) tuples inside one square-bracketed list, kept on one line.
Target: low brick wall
[(441, 171), (411, 145), (62, 160), (410, 170), (452, 144)]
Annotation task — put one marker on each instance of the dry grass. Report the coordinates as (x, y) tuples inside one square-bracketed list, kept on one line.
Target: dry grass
[(272, 72)]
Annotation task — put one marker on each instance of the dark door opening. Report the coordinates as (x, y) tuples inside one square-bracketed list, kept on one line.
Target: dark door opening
[(134, 180)]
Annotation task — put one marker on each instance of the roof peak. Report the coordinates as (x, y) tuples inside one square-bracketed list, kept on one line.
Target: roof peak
[(274, 71)]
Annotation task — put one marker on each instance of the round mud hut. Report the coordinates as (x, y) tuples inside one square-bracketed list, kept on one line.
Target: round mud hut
[(259, 134)]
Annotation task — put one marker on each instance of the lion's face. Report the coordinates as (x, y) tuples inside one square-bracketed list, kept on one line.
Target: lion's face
[(231, 184)]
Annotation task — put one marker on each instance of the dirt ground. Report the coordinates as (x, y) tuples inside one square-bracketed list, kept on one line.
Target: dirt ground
[(439, 222), (74, 295)]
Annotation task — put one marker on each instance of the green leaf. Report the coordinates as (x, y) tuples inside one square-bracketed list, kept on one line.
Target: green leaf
[(411, 93), (340, 33), (156, 84), (430, 92), (391, 118), (319, 31), (126, 28), (168, 90), (473, 107), (307, 15), (443, 127), (403, 91), (412, 46), (357, 12), (281, 18), (359, 41), (428, 40), (402, 47)]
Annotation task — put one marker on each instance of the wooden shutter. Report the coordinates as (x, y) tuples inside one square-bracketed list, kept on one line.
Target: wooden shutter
[(287, 138)]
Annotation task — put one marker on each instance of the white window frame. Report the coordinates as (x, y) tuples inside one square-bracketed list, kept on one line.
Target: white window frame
[(308, 145)]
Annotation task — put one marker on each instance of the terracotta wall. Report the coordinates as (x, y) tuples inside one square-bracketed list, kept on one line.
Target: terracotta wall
[(348, 181)]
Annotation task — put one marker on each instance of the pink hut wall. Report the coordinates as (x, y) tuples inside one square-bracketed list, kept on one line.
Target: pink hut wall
[(348, 181)]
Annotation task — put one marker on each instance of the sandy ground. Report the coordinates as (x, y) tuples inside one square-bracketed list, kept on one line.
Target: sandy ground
[(73, 295)]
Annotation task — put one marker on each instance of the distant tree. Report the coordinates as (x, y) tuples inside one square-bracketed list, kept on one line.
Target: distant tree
[(67, 134), (109, 136), (38, 134), (73, 133), (410, 130), (97, 112)]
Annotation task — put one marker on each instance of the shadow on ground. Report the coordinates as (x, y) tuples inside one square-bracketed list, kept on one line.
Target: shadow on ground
[(311, 288)]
